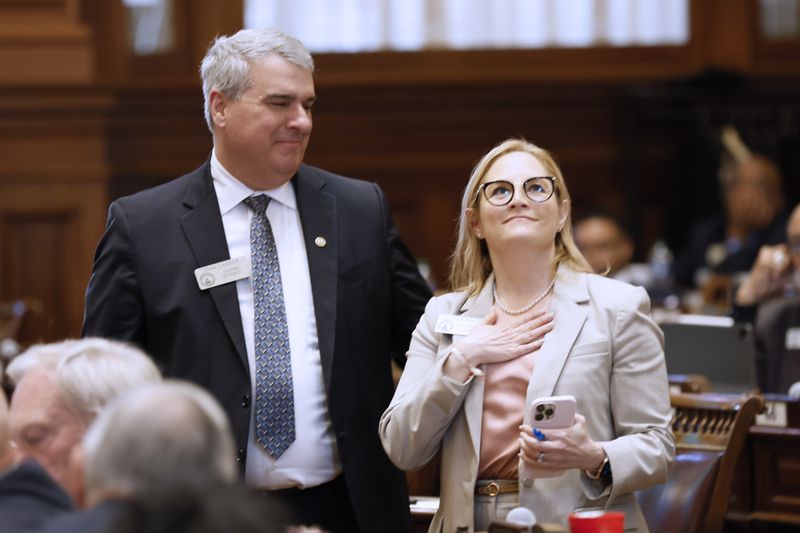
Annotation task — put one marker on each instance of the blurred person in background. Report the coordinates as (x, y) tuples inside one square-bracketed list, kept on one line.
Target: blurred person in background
[(527, 320), (770, 295), (59, 389), (608, 248), (754, 216)]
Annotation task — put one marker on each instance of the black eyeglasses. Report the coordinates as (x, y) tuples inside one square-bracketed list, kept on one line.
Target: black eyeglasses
[(538, 189)]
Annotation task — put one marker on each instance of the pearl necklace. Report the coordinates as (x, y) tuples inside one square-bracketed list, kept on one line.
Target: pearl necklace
[(528, 307)]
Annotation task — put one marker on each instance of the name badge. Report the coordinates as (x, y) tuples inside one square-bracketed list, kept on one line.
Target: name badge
[(455, 324), (223, 272), (793, 339)]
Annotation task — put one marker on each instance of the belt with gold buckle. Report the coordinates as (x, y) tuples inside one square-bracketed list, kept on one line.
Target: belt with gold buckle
[(493, 488)]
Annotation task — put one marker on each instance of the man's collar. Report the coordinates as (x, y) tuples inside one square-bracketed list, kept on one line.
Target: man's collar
[(231, 191)]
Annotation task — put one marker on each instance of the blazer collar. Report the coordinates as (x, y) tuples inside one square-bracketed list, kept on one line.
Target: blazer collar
[(569, 314), (476, 306), (481, 303), (570, 286)]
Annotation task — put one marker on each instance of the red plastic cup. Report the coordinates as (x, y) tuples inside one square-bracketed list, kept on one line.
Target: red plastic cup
[(596, 522)]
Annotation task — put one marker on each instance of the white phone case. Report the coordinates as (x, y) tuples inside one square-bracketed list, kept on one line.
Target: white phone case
[(549, 412)]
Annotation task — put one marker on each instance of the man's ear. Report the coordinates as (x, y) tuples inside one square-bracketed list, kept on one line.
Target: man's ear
[(217, 105)]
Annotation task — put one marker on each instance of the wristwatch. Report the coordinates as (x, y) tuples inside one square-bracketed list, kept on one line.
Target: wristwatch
[(603, 471)]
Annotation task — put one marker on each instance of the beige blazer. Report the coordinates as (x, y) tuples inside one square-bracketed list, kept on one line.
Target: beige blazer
[(604, 349)]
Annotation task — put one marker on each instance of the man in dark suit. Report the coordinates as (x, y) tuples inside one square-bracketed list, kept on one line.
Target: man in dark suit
[(298, 351), (29, 498)]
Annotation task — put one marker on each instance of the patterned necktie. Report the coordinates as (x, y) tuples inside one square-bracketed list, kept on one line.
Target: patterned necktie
[(274, 401)]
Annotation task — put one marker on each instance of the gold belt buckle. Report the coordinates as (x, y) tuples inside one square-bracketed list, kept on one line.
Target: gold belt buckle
[(493, 489)]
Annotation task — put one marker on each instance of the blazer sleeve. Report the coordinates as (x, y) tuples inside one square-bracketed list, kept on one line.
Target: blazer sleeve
[(426, 401), (113, 302), (639, 397), (409, 291)]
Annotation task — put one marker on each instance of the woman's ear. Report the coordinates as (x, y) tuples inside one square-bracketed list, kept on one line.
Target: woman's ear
[(474, 222), (563, 214)]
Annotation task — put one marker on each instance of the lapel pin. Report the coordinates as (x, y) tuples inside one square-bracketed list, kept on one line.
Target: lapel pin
[(320, 242)]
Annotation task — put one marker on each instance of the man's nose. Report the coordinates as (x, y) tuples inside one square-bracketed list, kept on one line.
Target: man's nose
[(301, 118)]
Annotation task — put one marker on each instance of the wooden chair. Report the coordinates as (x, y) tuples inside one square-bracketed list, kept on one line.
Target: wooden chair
[(694, 383), (710, 432), (12, 315)]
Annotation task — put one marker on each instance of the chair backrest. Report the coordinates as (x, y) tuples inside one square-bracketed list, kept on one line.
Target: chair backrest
[(688, 383), (710, 432)]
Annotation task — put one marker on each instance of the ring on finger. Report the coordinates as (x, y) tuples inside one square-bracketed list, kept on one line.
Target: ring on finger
[(540, 459)]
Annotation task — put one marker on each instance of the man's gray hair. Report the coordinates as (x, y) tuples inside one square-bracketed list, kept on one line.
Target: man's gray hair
[(90, 372), (226, 66), (157, 441)]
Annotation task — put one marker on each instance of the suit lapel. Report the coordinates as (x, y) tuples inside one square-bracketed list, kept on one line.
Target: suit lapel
[(569, 292), (477, 307), (202, 225), (318, 217)]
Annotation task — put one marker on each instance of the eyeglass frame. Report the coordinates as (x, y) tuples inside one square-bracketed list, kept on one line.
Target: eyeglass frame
[(482, 189)]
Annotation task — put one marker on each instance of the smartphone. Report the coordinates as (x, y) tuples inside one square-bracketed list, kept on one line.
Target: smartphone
[(549, 412), (553, 412)]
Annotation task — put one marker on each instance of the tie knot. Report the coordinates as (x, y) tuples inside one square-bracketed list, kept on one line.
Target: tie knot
[(257, 203)]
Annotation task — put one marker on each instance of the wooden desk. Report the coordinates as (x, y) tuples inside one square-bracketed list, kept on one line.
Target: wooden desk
[(766, 490)]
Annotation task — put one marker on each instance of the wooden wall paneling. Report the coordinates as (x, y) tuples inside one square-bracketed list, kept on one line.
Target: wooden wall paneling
[(724, 33), (43, 42), (155, 134), (48, 234), (53, 201), (427, 137), (210, 18), (195, 24)]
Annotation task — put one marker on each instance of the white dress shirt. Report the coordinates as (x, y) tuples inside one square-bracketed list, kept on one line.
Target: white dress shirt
[(312, 458)]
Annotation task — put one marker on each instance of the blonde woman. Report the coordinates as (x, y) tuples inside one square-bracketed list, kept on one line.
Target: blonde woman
[(527, 319)]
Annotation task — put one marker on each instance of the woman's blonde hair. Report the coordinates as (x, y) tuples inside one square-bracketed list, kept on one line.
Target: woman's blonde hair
[(470, 264)]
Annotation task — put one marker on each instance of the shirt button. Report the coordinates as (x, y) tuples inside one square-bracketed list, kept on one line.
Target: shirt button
[(240, 455), (246, 401)]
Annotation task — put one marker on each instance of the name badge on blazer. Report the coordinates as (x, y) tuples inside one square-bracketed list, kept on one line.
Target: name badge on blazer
[(223, 272), (455, 324)]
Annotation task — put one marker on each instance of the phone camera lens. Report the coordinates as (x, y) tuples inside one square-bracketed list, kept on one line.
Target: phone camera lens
[(539, 416), (549, 412), (539, 408)]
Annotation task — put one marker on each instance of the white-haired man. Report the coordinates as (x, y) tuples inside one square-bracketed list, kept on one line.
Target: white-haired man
[(161, 458), (28, 496), (59, 390)]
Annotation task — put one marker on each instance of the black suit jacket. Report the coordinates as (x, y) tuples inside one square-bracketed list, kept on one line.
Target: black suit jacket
[(29, 498), (102, 518), (368, 296)]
